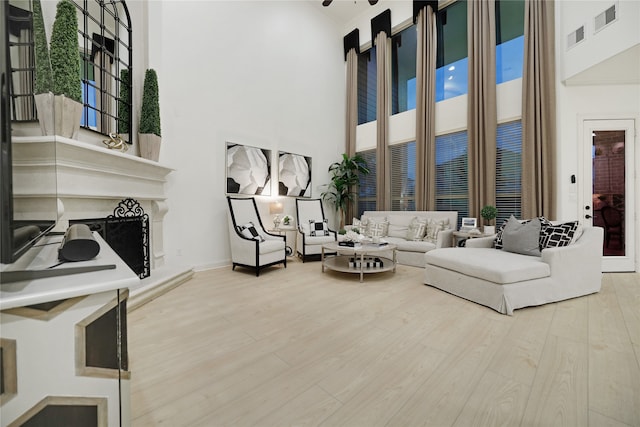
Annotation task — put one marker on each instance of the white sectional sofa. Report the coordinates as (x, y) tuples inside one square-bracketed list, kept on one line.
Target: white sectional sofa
[(506, 281), (411, 252)]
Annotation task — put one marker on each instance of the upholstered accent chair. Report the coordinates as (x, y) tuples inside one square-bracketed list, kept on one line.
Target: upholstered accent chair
[(251, 245), (313, 228)]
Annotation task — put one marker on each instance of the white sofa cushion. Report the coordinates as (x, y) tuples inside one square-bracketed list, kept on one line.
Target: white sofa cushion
[(318, 240), (410, 245), (496, 266), (269, 246), (398, 225)]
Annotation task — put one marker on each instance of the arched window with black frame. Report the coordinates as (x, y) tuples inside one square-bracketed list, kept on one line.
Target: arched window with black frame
[(105, 47)]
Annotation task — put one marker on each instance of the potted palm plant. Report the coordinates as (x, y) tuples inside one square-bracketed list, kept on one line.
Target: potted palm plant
[(149, 133), (343, 187), (489, 213)]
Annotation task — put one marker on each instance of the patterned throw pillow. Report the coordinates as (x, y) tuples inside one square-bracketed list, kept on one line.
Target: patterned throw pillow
[(319, 228), (377, 227), (435, 226), (417, 229), (360, 224), (555, 236), (249, 231)]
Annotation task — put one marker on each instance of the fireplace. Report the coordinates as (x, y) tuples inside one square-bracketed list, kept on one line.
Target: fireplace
[(93, 180)]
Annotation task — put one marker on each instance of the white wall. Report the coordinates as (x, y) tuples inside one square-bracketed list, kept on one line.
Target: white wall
[(596, 47), (268, 74)]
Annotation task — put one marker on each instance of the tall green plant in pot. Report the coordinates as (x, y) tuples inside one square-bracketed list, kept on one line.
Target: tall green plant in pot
[(43, 77), (345, 179), (149, 133), (64, 54)]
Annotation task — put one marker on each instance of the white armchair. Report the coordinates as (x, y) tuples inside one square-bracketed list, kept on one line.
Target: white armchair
[(251, 245), (313, 228)]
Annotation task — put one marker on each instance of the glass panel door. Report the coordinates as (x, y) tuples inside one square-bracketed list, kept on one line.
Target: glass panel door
[(608, 197)]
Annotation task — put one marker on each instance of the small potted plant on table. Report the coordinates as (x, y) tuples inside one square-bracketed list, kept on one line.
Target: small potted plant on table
[(489, 213)]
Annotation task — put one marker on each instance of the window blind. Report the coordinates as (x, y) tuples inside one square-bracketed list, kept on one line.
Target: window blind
[(508, 170), (403, 176), (367, 92), (367, 189), (452, 189)]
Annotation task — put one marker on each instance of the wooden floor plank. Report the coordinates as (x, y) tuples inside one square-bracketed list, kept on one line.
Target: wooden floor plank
[(496, 401), (559, 394)]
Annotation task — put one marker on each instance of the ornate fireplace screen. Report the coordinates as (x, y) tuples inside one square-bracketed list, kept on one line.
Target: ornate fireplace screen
[(127, 232)]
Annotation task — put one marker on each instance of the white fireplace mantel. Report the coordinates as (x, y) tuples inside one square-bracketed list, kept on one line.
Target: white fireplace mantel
[(92, 180)]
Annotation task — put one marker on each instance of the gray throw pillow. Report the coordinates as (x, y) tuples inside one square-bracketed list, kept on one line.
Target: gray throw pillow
[(522, 238)]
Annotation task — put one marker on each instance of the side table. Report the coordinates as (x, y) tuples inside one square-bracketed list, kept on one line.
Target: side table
[(458, 238), (282, 231)]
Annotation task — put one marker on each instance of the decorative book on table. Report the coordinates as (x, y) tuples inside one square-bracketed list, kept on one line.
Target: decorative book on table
[(369, 262)]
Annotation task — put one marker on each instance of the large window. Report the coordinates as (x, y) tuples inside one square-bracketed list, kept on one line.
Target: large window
[(367, 91), (367, 189), (403, 176), (403, 70), (509, 40), (452, 57), (452, 190), (508, 170)]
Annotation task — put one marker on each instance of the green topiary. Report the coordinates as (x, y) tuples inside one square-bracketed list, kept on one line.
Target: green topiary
[(150, 110), (65, 53), (124, 102), (43, 77), (488, 213)]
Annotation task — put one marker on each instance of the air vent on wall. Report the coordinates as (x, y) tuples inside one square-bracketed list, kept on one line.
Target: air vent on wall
[(575, 37), (606, 17)]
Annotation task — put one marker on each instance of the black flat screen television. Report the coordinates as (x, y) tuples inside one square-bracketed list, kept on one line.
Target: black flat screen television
[(28, 187)]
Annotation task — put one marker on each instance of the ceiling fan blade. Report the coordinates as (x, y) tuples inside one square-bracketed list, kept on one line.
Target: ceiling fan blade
[(326, 3)]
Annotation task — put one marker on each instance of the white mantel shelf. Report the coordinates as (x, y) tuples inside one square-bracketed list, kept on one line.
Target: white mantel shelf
[(85, 170)]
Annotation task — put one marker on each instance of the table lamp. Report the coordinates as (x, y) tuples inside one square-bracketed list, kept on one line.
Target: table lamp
[(276, 208)]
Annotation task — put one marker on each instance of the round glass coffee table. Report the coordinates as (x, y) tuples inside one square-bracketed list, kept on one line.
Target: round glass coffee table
[(360, 259)]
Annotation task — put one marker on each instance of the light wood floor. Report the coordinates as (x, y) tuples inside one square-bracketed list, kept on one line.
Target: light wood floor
[(298, 347)]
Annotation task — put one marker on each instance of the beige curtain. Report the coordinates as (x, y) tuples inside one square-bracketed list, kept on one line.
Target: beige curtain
[(351, 113), (425, 110), (383, 160), (481, 109), (539, 111)]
